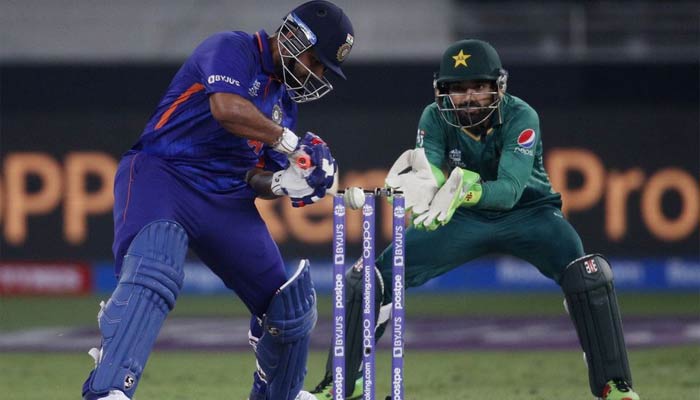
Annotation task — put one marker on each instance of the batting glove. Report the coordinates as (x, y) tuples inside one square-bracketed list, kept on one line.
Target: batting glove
[(312, 139), (287, 143), (324, 167), (306, 186)]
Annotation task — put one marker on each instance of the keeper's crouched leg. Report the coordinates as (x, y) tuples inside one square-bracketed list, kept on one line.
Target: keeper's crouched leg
[(592, 304), (353, 329), (283, 348), (151, 278)]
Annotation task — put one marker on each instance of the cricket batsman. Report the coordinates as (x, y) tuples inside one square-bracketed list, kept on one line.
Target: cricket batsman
[(476, 185), (221, 136)]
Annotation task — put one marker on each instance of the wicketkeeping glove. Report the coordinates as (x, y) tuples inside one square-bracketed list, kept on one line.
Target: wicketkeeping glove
[(461, 187), (416, 178)]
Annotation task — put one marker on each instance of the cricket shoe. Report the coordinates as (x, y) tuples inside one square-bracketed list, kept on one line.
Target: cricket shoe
[(304, 395), (112, 395), (617, 389), (324, 390)]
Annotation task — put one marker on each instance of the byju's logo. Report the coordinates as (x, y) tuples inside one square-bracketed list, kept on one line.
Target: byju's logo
[(223, 78)]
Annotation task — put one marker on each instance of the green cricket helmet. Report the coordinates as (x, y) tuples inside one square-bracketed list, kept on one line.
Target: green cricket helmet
[(468, 61)]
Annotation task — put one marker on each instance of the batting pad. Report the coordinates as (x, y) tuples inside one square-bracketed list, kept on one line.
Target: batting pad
[(151, 278), (592, 303), (282, 350)]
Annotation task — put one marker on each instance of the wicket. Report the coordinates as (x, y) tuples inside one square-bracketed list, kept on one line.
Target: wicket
[(368, 312)]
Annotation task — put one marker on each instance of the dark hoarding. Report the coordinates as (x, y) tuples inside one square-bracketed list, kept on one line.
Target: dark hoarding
[(621, 144)]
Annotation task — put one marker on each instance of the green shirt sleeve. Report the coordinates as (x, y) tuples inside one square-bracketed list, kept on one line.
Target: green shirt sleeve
[(521, 141), (431, 137)]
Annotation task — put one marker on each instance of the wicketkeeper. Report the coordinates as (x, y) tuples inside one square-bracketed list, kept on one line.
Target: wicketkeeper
[(476, 185)]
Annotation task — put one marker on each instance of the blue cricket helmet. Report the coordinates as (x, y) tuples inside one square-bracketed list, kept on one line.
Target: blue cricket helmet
[(332, 29)]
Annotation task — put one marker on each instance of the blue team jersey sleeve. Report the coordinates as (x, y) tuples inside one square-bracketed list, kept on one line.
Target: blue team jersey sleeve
[(274, 160), (227, 63)]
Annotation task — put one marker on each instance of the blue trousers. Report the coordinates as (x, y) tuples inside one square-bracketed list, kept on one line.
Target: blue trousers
[(224, 230)]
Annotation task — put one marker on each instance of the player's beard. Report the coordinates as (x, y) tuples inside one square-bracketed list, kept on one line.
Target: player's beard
[(467, 118)]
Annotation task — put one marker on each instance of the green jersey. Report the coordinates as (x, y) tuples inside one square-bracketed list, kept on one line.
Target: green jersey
[(508, 156)]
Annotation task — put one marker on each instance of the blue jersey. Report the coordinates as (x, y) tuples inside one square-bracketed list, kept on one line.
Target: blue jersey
[(183, 132)]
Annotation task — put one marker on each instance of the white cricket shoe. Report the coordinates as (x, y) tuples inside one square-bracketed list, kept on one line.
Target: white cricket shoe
[(304, 395), (115, 395)]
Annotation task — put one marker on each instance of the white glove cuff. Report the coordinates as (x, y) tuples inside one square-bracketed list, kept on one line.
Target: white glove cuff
[(276, 185), (287, 142)]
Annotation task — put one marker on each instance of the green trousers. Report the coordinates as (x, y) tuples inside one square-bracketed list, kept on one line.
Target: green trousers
[(538, 235)]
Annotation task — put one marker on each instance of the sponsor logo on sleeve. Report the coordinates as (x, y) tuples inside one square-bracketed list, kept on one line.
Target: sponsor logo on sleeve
[(526, 139), (526, 142), (223, 78)]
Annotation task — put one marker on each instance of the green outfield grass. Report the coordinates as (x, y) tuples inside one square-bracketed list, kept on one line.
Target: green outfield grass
[(663, 373), (24, 312)]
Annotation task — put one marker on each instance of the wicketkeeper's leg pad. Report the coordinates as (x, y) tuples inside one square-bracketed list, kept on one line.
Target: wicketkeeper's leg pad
[(353, 329), (151, 278), (592, 304), (283, 348)]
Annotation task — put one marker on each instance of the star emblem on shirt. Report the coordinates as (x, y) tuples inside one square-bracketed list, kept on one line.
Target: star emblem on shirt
[(461, 59)]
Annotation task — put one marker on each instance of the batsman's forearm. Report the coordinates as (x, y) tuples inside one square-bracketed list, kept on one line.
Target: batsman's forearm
[(261, 182), (240, 117)]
